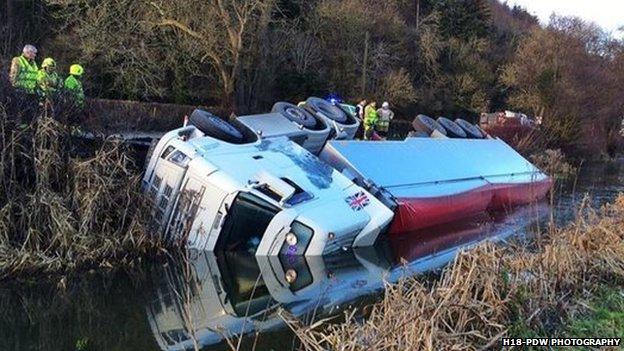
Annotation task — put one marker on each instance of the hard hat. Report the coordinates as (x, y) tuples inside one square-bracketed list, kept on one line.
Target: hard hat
[(385, 105), (29, 48), (76, 70), (48, 62)]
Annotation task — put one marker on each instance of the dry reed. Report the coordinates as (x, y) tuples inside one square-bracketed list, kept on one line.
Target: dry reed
[(486, 291), (58, 211)]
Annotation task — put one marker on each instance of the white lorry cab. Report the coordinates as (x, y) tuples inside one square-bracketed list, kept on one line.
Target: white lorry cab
[(216, 187)]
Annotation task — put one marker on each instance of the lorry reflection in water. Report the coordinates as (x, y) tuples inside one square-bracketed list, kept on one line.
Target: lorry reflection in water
[(218, 295)]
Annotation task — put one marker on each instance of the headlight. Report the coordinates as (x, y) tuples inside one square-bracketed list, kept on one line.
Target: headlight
[(297, 240), (291, 239), (291, 276)]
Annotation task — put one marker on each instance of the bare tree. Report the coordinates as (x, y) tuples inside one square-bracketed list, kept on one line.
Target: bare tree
[(218, 30)]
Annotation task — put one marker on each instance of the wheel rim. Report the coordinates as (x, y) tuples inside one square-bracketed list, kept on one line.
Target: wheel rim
[(296, 114)]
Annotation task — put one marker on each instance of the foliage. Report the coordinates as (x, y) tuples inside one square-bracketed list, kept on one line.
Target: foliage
[(444, 57), (59, 211), (602, 315), (564, 74), (553, 162)]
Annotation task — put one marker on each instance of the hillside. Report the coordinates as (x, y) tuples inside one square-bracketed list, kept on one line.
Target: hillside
[(445, 57)]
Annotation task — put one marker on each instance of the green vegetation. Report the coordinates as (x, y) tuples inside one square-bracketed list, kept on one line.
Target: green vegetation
[(602, 315), (448, 57), (567, 282)]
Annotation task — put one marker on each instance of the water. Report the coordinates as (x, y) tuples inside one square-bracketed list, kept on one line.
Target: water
[(210, 297)]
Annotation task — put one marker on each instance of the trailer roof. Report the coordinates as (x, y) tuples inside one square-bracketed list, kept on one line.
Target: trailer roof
[(420, 161)]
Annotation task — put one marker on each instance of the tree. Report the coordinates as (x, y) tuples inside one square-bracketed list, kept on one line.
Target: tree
[(349, 53), (564, 74), (121, 56), (217, 31)]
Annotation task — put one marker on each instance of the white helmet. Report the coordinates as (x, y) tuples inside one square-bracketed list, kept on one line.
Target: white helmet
[(385, 105), (29, 48)]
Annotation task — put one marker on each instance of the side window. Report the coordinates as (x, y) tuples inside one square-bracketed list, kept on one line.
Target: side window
[(167, 152), (179, 158), (174, 156)]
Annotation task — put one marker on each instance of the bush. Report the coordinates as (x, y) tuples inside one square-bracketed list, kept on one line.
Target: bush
[(59, 211)]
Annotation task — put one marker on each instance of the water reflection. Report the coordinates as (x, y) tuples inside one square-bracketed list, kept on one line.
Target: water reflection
[(199, 303), (218, 296)]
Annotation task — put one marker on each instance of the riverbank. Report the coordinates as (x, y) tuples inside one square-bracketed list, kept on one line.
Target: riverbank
[(491, 292), (61, 209)]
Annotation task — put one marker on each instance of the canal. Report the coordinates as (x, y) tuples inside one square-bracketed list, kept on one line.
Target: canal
[(221, 301)]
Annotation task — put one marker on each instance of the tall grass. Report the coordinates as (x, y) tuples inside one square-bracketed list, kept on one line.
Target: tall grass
[(488, 292), (59, 211)]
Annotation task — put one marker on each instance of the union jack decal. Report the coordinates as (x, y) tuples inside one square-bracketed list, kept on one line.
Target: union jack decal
[(357, 201)]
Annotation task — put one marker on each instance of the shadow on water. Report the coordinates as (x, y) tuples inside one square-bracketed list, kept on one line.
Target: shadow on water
[(221, 301)]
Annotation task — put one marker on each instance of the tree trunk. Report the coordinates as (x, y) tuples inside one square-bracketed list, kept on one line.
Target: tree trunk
[(417, 13), (228, 103), (365, 63)]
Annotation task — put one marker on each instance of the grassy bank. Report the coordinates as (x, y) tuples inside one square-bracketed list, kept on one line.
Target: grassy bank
[(494, 291), (602, 314), (62, 209)]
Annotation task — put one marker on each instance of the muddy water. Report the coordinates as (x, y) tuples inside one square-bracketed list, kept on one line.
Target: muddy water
[(211, 300)]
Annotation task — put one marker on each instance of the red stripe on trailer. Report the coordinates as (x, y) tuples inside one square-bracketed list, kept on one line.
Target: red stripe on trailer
[(508, 195), (417, 213)]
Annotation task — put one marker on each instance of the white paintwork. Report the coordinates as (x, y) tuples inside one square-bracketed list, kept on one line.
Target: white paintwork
[(271, 125), (342, 131), (217, 171)]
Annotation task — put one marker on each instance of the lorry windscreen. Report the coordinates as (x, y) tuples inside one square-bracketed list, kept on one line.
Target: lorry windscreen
[(245, 223)]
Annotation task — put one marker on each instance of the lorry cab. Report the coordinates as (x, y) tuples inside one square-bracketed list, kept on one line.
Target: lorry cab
[(265, 196)]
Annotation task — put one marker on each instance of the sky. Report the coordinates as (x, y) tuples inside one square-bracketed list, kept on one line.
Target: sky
[(609, 14)]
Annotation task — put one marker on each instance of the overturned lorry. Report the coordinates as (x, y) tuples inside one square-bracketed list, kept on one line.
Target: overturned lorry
[(294, 182)]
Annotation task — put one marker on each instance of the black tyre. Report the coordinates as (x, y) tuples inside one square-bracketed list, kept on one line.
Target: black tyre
[(215, 126), (452, 129), (483, 132), (327, 108), (471, 131), (295, 114), (427, 125)]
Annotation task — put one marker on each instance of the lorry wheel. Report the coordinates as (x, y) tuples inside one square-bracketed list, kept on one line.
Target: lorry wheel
[(427, 124), (483, 132), (214, 126), (295, 114), (327, 108), (452, 129), (471, 131)]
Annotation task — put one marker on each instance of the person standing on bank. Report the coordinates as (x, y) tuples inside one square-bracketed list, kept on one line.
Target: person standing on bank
[(24, 70), (385, 116), (73, 85), (359, 109), (48, 81), (370, 120)]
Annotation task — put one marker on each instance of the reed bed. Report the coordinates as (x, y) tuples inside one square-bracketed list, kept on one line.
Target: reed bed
[(488, 293), (59, 211)]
